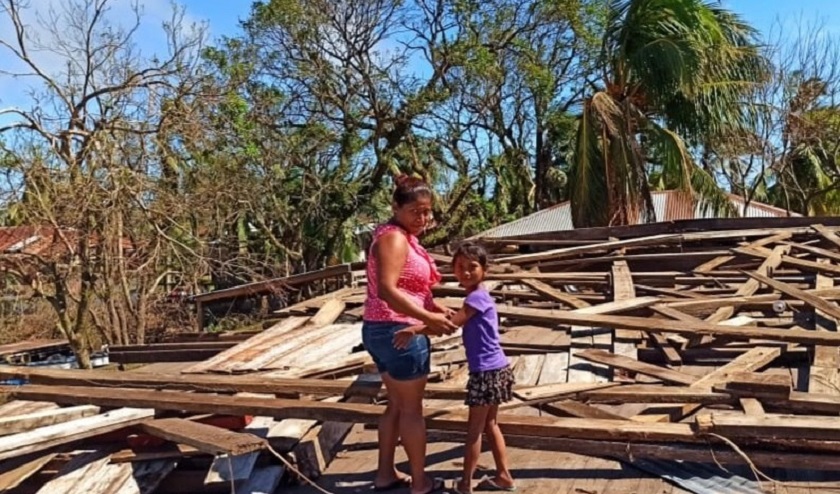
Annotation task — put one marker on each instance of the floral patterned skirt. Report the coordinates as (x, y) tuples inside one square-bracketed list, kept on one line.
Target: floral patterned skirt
[(490, 387)]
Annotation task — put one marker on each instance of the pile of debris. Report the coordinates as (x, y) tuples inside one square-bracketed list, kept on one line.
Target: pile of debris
[(716, 347)]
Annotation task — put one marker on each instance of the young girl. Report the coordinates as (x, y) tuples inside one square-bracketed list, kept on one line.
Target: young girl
[(491, 379)]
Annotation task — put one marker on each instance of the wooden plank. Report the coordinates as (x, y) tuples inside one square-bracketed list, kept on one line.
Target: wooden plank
[(555, 294), (79, 471), (554, 369), (274, 284), (715, 263), (818, 251), (672, 356), (773, 261), (824, 375), (347, 412), (31, 346), (633, 365), (811, 267), (827, 234), (20, 423), (751, 361), (827, 308), (573, 408), (204, 437), (14, 471), (553, 392), (231, 468), (767, 425), (656, 394), (54, 435), (304, 306), (752, 384), (266, 337), (751, 406), (666, 326), (527, 370), (624, 290), (588, 249), (714, 303), (325, 316), (23, 407)]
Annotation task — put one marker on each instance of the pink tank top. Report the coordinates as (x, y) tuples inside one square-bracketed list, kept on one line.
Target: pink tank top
[(416, 279)]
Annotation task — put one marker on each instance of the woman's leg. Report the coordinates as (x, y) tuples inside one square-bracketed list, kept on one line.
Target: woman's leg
[(411, 426), (389, 437), (497, 446)]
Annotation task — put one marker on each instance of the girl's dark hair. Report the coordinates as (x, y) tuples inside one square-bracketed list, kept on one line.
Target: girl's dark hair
[(471, 251), (408, 189)]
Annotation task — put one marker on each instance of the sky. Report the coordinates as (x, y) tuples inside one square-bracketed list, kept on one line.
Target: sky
[(223, 16)]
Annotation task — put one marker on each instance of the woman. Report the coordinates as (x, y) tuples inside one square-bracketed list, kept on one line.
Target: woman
[(400, 278)]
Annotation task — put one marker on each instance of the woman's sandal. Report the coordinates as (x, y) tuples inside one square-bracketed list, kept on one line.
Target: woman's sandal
[(397, 484), (488, 484)]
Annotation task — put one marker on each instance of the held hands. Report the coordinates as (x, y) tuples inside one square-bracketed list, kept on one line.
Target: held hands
[(440, 323)]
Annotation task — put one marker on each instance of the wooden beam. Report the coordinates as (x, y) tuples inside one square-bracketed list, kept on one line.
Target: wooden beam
[(751, 406), (824, 375), (672, 356), (14, 471), (773, 261), (203, 437), (752, 384), (552, 392), (709, 454), (66, 432), (573, 408), (215, 383), (21, 423), (346, 412), (830, 235), (633, 365), (817, 303), (274, 284), (811, 267), (666, 326), (652, 394), (588, 249), (555, 294), (776, 426)]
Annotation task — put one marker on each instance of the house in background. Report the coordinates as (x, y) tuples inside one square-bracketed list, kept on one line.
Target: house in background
[(669, 205)]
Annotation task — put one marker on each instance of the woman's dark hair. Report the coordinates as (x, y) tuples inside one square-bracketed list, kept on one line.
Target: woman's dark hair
[(408, 189), (471, 251)]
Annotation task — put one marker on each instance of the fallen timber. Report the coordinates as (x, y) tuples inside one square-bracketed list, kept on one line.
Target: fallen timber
[(674, 346)]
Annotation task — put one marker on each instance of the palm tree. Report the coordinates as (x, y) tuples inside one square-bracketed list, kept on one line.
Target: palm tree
[(676, 73)]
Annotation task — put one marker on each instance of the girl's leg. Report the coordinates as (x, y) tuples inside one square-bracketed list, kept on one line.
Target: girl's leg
[(472, 448), (389, 436), (411, 427), (497, 446)]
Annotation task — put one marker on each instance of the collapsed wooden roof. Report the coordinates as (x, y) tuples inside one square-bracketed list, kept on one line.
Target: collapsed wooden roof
[(711, 347)]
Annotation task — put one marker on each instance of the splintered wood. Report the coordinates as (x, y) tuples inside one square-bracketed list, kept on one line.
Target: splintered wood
[(674, 346)]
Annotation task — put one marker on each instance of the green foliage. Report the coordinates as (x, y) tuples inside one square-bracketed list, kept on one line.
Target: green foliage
[(676, 72)]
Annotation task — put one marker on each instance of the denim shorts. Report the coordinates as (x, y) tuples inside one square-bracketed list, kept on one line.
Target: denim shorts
[(403, 365)]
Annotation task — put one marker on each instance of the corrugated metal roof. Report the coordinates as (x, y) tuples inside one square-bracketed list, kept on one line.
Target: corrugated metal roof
[(669, 205)]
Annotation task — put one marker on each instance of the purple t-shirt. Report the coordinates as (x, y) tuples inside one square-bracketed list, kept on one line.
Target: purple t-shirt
[(481, 334)]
